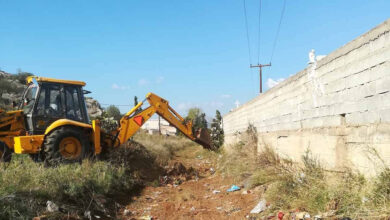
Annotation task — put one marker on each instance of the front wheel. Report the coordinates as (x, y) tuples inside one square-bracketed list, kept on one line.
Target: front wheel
[(66, 145)]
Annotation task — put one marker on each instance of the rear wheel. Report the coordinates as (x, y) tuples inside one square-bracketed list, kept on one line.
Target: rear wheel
[(66, 145), (5, 153)]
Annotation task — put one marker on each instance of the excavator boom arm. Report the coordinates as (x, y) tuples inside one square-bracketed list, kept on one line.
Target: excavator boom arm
[(131, 122)]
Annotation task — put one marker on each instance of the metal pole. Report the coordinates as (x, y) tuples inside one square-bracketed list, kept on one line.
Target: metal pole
[(261, 81), (159, 126)]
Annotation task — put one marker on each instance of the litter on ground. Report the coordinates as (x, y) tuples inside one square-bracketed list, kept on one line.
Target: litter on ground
[(261, 206), (233, 188)]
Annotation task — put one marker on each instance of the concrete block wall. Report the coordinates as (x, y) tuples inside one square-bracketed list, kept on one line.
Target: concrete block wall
[(338, 107)]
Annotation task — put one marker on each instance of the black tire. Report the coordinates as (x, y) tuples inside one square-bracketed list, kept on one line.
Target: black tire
[(54, 155), (5, 152), (36, 157)]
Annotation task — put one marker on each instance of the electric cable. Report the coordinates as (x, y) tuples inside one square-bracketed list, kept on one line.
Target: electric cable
[(258, 36), (278, 30), (247, 33)]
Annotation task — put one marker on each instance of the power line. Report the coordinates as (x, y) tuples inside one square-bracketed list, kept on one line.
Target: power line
[(277, 32), (115, 104), (258, 37), (247, 33)]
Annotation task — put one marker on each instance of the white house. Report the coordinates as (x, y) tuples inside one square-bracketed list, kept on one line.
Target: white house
[(152, 127)]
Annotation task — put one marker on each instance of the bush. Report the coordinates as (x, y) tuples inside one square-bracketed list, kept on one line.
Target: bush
[(217, 133), (306, 186), (21, 77), (97, 186), (198, 118), (27, 186), (113, 112)]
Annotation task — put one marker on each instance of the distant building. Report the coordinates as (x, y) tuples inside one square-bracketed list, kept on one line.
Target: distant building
[(151, 126)]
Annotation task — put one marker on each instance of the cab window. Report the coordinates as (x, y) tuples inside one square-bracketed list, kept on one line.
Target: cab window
[(73, 110), (50, 102), (29, 98)]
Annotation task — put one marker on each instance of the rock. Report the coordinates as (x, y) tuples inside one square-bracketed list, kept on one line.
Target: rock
[(93, 107)]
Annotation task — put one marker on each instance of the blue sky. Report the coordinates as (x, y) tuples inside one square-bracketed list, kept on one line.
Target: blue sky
[(193, 53)]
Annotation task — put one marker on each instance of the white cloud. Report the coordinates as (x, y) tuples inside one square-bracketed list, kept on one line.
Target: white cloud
[(184, 106), (143, 82), (271, 82), (115, 86), (118, 87), (226, 96), (159, 79)]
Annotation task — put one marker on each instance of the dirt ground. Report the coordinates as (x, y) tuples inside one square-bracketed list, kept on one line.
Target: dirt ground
[(194, 198)]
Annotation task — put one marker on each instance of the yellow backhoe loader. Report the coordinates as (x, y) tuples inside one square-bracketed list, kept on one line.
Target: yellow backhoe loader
[(52, 123)]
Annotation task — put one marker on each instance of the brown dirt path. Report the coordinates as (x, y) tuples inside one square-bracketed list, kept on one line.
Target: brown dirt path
[(194, 198)]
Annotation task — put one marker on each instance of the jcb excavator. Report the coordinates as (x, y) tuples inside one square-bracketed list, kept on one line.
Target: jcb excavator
[(52, 123)]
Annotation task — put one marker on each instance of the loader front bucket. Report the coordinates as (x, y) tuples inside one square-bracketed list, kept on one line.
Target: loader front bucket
[(203, 138)]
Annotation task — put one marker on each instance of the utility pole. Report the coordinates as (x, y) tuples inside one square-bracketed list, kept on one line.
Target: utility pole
[(159, 125), (260, 66)]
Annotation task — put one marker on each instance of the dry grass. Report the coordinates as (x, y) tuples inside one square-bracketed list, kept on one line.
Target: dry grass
[(25, 187), (96, 186), (164, 148), (307, 186)]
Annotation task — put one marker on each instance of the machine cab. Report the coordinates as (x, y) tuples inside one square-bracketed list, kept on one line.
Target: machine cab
[(46, 100)]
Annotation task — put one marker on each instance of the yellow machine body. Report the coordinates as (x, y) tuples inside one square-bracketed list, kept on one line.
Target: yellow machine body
[(13, 134)]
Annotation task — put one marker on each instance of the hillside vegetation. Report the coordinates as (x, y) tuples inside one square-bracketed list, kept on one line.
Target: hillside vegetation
[(13, 85), (11, 88)]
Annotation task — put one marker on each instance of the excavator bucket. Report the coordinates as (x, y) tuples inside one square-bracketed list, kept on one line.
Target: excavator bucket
[(203, 138)]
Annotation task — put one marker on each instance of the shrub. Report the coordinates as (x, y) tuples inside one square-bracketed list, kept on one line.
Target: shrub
[(217, 133), (113, 112), (21, 77), (26, 186)]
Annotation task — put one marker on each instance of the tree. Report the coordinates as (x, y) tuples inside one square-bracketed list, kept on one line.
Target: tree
[(113, 112), (135, 104), (198, 118), (135, 100), (217, 133)]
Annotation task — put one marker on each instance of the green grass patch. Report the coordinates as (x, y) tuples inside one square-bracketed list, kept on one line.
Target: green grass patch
[(26, 186)]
